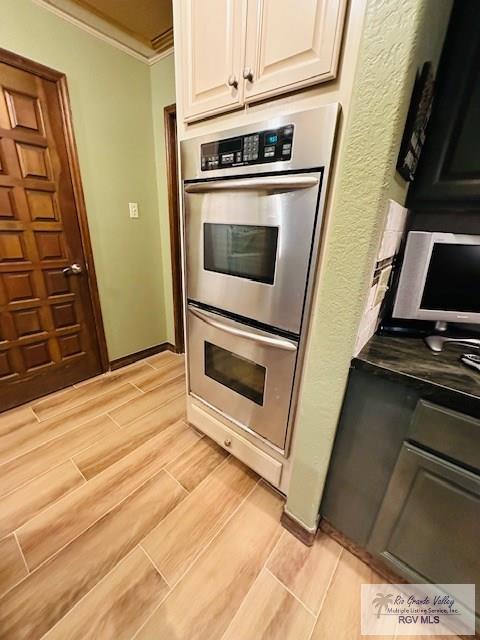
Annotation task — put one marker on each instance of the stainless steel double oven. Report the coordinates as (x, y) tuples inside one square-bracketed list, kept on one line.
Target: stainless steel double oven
[(253, 204)]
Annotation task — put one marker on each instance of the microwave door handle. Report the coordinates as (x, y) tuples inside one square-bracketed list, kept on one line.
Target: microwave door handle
[(275, 183), (278, 343)]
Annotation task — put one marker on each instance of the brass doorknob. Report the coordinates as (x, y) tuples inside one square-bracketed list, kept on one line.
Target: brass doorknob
[(227, 443), (73, 270)]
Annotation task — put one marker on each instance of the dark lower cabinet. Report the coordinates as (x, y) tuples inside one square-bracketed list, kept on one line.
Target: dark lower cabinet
[(428, 527), (404, 481), (375, 419)]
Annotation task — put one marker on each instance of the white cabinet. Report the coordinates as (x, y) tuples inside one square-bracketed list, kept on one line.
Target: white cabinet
[(238, 51), (213, 50), (291, 44)]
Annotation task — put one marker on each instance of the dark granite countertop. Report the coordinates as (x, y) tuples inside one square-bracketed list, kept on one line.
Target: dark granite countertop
[(439, 377)]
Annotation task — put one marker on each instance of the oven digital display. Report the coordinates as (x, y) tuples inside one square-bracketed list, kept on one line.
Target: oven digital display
[(209, 149), (255, 148), (235, 144)]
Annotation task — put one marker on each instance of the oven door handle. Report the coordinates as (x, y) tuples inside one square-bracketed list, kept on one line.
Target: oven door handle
[(275, 183), (278, 343)]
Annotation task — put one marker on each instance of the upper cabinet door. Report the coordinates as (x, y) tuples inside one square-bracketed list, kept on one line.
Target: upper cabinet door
[(291, 44), (213, 46), (448, 174)]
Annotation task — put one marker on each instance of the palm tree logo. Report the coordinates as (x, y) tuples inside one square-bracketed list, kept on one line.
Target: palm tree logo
[(382, 601)]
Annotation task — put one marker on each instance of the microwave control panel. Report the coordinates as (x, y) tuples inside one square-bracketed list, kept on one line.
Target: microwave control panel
[(274, 145)]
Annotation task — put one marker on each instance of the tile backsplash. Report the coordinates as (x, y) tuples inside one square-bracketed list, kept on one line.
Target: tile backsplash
[(389, 247)]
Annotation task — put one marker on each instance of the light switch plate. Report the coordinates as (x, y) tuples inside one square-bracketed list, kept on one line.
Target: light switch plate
[(133, 209)]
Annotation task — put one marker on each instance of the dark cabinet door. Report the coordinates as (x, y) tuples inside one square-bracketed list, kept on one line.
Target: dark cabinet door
[(428, 527), (375, 419), (448, 174)]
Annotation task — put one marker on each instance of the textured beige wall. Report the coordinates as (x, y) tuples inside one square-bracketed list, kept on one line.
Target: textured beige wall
[(111, 103), (397, 38), (162, 75)]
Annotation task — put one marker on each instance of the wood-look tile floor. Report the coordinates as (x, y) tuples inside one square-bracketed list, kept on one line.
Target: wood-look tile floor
[(119, 521)]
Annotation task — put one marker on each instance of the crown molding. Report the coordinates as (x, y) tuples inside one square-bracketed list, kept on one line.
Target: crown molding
[(163, 41), (160, 56), (103, 30)]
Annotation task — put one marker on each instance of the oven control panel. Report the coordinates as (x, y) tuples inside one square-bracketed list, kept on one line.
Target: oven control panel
[(273, 145)]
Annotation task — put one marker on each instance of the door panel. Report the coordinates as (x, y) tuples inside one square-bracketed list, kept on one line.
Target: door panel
[(291, 47), (428, 501), (213, 45), (448, 174), (245, 373), (47, 332)]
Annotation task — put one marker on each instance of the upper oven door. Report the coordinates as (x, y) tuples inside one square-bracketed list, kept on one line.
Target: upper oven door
[(249, 243)]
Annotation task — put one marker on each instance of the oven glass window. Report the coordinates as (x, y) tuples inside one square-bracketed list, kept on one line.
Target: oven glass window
[(246, 251), (239, 374)]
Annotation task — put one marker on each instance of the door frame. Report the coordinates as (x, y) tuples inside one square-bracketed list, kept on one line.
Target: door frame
[(171, 152), (60, 80)]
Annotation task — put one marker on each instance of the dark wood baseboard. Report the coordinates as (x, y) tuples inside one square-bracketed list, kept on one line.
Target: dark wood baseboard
[(361, 553), (296, 529), (375, 564), (140, 355)]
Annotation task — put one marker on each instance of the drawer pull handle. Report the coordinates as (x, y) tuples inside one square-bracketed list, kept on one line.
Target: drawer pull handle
[(227, 443)]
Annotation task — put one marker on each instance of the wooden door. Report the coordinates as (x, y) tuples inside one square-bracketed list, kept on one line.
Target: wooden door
[(171, 146), (48, 335), (291, 45), (213, 39)]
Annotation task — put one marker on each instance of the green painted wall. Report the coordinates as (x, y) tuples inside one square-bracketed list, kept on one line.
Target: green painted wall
[(111, 101), (163, 95), (397, 38)]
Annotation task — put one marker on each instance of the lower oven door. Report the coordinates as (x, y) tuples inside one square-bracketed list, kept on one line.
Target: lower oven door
[(245, 373)]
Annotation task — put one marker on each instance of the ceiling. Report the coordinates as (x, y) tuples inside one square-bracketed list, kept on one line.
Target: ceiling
[(143, 25), (146, 20)]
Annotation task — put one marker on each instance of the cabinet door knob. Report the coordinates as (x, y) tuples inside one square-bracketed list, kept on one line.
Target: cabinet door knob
[(227, 443), (248, 74), (232, 82)]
